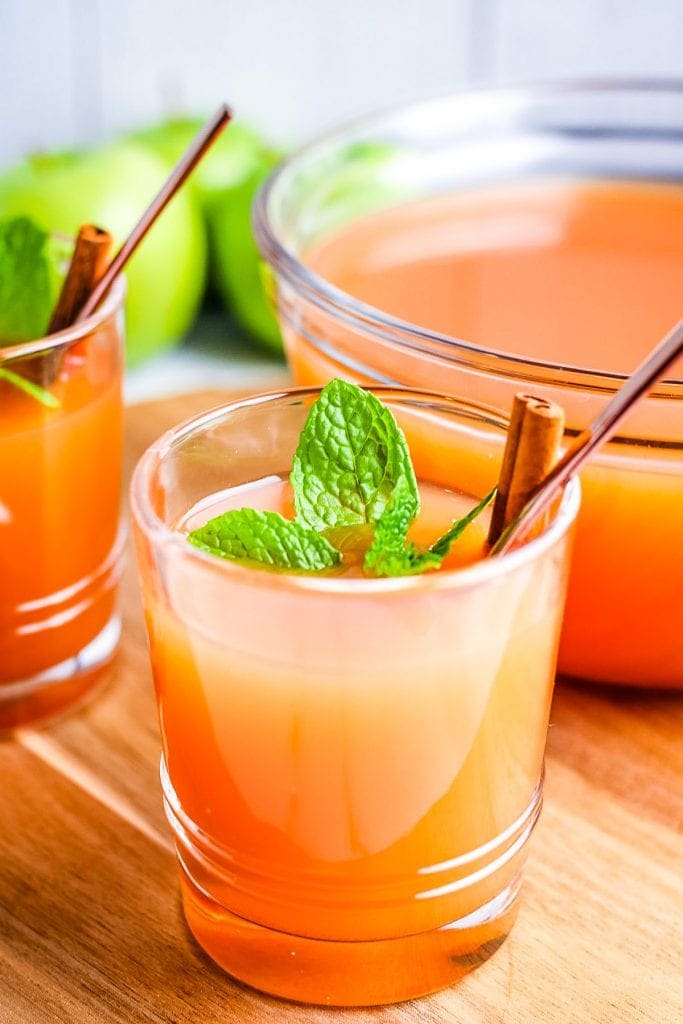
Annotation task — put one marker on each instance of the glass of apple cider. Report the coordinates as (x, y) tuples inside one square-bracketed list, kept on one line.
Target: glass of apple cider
[(60, 537), (352, 766)]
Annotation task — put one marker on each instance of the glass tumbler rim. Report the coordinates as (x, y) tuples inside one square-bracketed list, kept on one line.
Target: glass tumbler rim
[(162, 536), (112, 302)]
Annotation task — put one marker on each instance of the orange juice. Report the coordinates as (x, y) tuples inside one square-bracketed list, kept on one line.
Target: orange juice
[(352, 766), (59, 515), (570, 273)]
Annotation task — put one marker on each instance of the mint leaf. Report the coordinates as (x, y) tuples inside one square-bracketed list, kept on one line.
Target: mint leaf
[(442, 546), (351, 456), (267, 538), (390, 555), (28, 280), (404, 561), (29, 388)]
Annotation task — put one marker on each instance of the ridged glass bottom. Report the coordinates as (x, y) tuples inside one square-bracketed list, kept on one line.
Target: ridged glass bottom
[(239, 912), (66, 684), (341, 973)]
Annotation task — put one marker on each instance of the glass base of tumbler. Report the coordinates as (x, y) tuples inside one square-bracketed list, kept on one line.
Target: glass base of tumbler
[(342, 973), (62, 686)]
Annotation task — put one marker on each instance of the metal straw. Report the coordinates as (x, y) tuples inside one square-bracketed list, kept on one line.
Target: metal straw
[(180, 172)]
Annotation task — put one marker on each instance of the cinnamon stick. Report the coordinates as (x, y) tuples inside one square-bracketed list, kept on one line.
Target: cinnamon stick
[(531, 450), (87, 265), (86, 268)]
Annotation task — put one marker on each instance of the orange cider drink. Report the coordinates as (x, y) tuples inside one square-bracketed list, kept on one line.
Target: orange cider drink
[(60, 545), (539, 278), (352, 766)]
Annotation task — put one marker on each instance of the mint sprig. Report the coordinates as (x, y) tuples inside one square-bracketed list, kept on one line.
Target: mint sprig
[(29, 280), (352, 470), (29, 284), (266, 538)]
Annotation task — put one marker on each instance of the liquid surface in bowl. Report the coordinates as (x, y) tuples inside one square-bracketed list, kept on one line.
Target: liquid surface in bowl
[(582, 273)]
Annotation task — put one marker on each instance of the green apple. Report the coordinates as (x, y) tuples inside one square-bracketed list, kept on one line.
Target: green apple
[(238, 265), (354, 182), (225, 183), (111, 187)]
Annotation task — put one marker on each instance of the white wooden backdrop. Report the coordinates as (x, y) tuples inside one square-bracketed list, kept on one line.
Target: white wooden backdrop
[(73, 71)]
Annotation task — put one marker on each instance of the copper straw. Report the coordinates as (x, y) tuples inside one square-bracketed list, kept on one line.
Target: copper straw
[(182, 169)]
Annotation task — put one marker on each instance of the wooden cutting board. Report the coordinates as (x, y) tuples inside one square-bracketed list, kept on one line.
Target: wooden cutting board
[(90, 923)]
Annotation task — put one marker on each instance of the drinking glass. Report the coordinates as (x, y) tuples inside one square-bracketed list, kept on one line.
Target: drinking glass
[(351, 767), (60, 536)]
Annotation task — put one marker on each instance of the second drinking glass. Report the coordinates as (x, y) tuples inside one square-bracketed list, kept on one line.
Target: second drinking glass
[(60, 538)]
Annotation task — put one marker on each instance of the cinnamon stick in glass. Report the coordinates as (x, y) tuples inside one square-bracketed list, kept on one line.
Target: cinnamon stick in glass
[(87, 265), (532, 449)]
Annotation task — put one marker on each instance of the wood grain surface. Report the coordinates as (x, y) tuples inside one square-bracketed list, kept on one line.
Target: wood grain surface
[(90, 924)]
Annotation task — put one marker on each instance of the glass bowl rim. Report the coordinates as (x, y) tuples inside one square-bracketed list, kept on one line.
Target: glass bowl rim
[(477, 573), (341, 305)]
